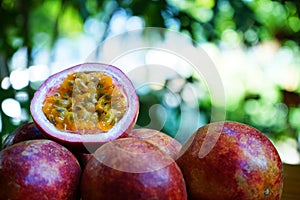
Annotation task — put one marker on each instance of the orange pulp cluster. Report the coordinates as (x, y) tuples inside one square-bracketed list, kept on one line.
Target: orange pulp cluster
[(85, 102)]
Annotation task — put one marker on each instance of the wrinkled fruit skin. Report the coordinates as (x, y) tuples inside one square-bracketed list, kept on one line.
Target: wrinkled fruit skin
[(38, 169), (164, 142), (132, 169), (243, 164), (28, 131)]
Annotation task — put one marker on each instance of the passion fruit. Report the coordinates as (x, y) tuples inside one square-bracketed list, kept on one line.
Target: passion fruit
[(28, 131), (85, 106), (83, 158), (164, 142), (239, 162), (39, 169), (130, 168)]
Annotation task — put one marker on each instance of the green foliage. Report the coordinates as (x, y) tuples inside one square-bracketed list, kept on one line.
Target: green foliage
[(36, 24)]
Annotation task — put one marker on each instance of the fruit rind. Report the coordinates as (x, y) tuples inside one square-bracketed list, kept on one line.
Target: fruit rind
[(28, 131), (129, 168), (166, 143), (242, 164), (86, 141), (39, 169)]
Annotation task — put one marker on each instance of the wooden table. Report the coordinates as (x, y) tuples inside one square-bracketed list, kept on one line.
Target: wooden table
[(291, 187)]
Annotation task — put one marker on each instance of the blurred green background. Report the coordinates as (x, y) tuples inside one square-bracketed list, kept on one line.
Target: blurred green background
[(253, 43)]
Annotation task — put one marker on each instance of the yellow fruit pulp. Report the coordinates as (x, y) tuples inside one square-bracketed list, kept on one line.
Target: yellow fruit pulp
[(85, 103)]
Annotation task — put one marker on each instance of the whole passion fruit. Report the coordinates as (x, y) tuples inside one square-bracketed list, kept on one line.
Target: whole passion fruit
[(130, 168), (163, 141), (28, 131), (85, 106), (241, 163), (38, 169)]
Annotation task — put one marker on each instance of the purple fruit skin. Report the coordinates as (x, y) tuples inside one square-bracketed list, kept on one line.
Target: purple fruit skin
[(243, 164), (164, 142), (28, 131), (121, 176), (38, 169)]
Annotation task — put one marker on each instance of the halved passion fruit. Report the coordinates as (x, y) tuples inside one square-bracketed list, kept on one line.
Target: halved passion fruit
[(85, 105)]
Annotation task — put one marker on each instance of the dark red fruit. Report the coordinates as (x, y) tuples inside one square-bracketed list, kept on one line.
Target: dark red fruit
[(85, 106), (130, 168), (38, 169), (83, 158), (229, 160), (163, 141), (27, 131)]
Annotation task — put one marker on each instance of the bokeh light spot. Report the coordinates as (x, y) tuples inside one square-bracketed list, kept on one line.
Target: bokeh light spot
[(11, 108)]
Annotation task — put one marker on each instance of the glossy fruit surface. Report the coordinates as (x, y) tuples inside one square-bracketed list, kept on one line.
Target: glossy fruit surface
[(38, 169), (27, 131), (130, 168), (163, 141), (85, 105), (229, 160)]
